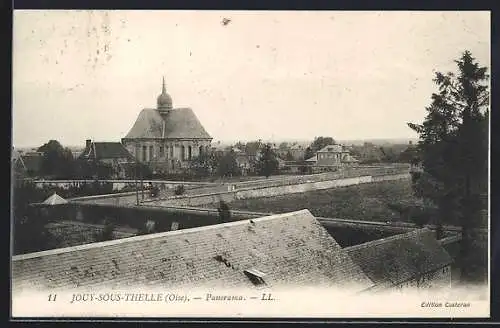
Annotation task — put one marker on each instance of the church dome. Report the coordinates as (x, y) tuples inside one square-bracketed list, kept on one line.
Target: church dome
[(164, 100)]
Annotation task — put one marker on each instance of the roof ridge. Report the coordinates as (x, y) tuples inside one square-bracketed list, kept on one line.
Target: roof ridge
[(388, 239), (150, 236)]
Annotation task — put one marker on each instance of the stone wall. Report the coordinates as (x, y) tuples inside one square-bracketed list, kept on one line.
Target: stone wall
[(117, 184), (71, 233), (257, 192)]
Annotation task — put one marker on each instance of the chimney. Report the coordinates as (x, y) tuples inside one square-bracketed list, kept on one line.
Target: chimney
[(87, 143)]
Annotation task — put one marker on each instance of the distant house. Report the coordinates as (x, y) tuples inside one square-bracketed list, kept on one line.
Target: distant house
[(243, 160), (411, 260), (240, 254), (27, 164), (111, 153), (297, 151), (331, 157)]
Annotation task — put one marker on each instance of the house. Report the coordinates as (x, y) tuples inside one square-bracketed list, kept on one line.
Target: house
[(297, 151), (242, 160), (27, 164), (411, 260), (331, 158), (291, 249), (110, 153), (167, 138)]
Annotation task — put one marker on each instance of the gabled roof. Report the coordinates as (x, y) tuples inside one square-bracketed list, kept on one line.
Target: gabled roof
[(331, 148), (175, 123), (30, 161), (55, 199), (106, 150), (291, 248), (391, 261)]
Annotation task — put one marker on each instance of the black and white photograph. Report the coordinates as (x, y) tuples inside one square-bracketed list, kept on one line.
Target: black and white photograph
[(250, 164)]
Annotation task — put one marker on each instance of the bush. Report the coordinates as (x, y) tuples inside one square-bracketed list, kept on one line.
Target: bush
[(179, 190)]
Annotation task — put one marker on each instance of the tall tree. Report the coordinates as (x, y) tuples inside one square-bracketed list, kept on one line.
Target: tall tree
[(453, 148), (308, 153), (268, 162), (320, 142), (227, 165), (204, 164), (57, 161)]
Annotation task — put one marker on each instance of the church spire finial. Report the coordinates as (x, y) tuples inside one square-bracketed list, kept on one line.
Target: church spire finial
[(164, 101)]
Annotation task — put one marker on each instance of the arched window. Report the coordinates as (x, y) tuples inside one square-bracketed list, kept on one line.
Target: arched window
[(183, 153), (138, 152), (190, 152)]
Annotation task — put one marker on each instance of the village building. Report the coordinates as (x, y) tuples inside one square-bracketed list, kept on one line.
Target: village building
[(411, 260), (166, 138), (27, 165), (242, 160), (113, 154), (330, 158), (238, 254)]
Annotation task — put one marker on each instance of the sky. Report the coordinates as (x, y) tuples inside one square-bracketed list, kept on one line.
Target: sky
[(81, 75)]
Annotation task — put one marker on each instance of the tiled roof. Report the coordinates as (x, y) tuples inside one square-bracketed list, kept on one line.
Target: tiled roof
[(331, 148), (291, 248), (106, 150), (176, 123), (399, 258)]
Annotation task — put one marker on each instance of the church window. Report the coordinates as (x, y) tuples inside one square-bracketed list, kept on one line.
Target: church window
[(137, 152), (144, 150), (190, 152)]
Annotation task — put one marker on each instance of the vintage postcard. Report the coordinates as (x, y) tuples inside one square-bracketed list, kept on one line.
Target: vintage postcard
[(250, 164)]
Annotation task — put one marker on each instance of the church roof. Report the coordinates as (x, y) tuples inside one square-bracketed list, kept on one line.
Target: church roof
[(177, 123)]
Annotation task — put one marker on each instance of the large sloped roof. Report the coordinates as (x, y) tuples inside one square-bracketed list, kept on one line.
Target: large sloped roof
[(291, 249), (399, 258), (175, 123), (105, 150)]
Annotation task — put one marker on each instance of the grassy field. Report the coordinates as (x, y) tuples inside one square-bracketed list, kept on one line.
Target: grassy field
[(362, 202)]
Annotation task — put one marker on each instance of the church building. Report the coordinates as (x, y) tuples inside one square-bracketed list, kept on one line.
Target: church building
[(167, 138)]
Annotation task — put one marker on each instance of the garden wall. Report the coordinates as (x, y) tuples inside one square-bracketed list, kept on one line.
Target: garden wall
[(257, 192)]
